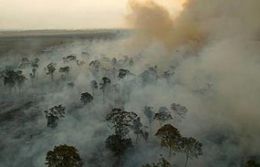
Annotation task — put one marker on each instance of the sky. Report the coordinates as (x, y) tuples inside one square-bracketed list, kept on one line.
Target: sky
[(63, 14)]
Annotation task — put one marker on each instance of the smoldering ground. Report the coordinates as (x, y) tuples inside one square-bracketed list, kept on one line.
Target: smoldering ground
[(212, 51)]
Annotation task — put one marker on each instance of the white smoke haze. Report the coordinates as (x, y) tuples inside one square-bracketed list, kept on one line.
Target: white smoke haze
[(213, 49)]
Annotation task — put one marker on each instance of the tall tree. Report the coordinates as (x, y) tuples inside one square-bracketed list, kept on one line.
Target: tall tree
[(179, 110), (123, 73), (35, 66), (53, 115), (163, 115), (64, 71), (24, 63), (114, 62), (170, 137), (149, 76), (149, 113), (63, 156), (20, 79), (106, 82), (118, 145), (86, 98), (13, 78), (9, 78), (51, 68), (94, 86), (139, 129), (69, 58), (191, 147), (162, 163), (252, 163), (121, 120), (94, 67)]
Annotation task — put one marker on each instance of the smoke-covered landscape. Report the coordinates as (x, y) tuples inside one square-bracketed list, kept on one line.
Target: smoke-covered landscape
[(171, 90)]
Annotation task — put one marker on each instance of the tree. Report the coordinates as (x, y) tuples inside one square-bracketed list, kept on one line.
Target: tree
[(123, 73), (12, 78), (131, 62), (53, 115), (167, 75), (71, 84), (69, 58), (51, 68), (63, 156), (24, 62), (64, 70), (35, 66), (80, 62), (86, 98), (149, 113), (170, 137), (149, 76), (121, 120), (162, 163), (191, 147), (94, 67), (138, 129), (1, 74), (252, 163), (163, 115), (94, 86), (105, 82), (19, 78), (114, 62), (179, 110), (104, 85), (9, 78), (118, 146)]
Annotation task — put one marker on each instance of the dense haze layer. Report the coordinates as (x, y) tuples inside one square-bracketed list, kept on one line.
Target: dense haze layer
[(211, 51)]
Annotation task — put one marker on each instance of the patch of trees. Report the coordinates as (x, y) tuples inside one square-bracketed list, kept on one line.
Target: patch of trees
[(126, 126), (174, 141), (12, 78)]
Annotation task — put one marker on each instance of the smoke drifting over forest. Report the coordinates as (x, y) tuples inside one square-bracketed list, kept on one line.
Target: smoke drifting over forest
[(206, 59)]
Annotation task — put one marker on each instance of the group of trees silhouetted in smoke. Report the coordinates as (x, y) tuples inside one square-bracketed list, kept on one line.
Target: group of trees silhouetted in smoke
[(109, 87), (172, 139), (123, 123), (13, 79)]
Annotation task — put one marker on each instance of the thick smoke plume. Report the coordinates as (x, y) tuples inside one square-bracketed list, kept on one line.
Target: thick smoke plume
[(225, 37), (197, 21), (155, 22)]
